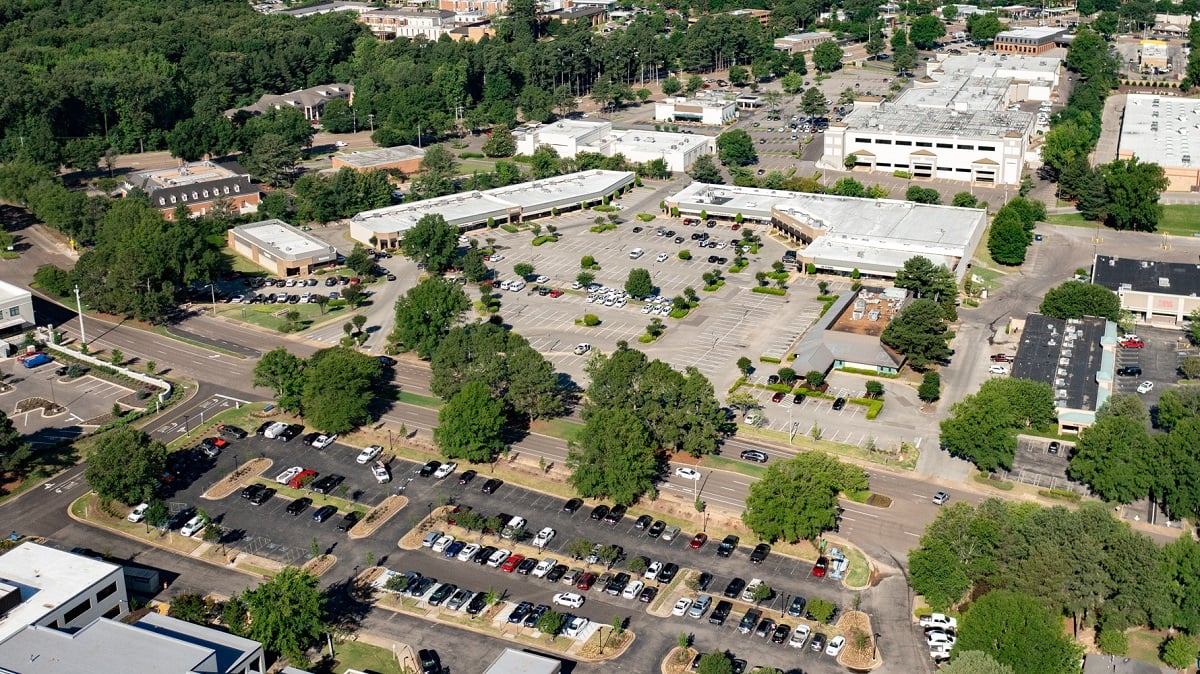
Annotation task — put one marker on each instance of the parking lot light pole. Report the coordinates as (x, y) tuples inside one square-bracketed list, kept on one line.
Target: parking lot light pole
[(79, 307)]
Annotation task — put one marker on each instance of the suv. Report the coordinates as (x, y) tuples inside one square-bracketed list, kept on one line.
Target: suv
[(754, 455), (749, 620), (720, 613), (1129, 371), (727, 546), (700, 607)]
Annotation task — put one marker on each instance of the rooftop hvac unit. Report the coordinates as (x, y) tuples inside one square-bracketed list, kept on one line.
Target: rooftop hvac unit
[(856, 315), (1059, 381), (1064, 361), (1051, 342)]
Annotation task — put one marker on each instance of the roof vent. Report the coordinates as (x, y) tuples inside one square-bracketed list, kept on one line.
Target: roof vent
[(1164, 282)]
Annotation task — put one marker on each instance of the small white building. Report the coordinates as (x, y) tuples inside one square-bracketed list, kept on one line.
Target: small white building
[(16, 309), (709, 110), (569, 137), (50, 588)]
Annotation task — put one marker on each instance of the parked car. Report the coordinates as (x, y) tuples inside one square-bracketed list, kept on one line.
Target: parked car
[(138, 513), (1145, 387), (720, 613), (569, 599), (698, 541), (760, 553), (466, 476), (839, 403), (262, 496), (369, 454), (728, 545), (800, 636), (572, 505), (444, 470), (1129, 371), (941, 498), (428, 469), (348, 521), (491, 486), (656, 529), (819, 567), (324, 512), (381, 472), (193, 526), (298, 506), (699, 607), (302, 478), (327, 484), (322, 441)]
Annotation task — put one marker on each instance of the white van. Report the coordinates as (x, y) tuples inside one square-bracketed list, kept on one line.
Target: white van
[(275, 430), (636, 253), (513, 525)]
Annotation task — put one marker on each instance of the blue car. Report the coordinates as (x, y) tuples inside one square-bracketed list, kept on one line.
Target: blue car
[(36, 359), (454, 548)]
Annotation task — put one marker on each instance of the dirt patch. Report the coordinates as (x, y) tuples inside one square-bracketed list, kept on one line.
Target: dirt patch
[(860, 652), (614, 645), (319, 565), (677, 661), (233, 481), (378, 516), (49, 409), (880, 501)]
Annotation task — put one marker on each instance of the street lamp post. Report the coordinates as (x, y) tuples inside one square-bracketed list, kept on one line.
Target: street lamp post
[(79, 307), (213, 288)]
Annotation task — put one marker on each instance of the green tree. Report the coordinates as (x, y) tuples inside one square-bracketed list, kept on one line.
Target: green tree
[(426, 312), (931, 387), (1112, 642), (190, 607), (339, 383), (919, 331), (585, 278), (737, 76), (792, 83), (439, 169), (512, 370), (360, 260), (1076, 299), (1007, 239), (273, 160), (964, 200), (974, 662), (983, 27), (937, 574), (432, 241), (523, 269), (736, 148), (614, 458), (715, 663), (501, 143), (671, 86), (551, 623), (283, 373), (849, 187), (638, 283), (981, 430), (797, 499), (694, 83), (1113, 456), (704, 170), (1180, 569), (922, 195), (1180, 651), (745, 366), (812, 103), (1002, 624), (474, 270), (471, 425), (1133, 188), (14, 451), (125, 465), (827, 57), (286, 614), (337, 117), (53, 280), (545, 162), (925, 31)]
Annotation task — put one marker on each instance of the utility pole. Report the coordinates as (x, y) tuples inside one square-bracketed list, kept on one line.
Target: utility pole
[(79, 307)]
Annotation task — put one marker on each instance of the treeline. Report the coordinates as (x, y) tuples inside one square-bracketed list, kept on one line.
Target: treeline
[(1052, 562)]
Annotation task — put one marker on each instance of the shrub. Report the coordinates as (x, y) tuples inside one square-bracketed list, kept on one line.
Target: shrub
[(814, 378), (587, 262), (591, 320), (685, 254), (645, 217), (768, 291), (931, 387), (511, 229), (1112, 642), (810, 268)]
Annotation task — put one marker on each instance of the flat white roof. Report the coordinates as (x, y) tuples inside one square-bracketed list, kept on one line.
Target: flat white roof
[(47, 578), (388, 155), (959, 92), (571, 128), (657, 141), (1017, 66), (523, 662), (1032, 32), (283, 240), (9, 291), (702, 102), (935, 122), (1162, 129)]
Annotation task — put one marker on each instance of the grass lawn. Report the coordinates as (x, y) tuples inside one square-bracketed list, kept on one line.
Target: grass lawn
[(563, 429), (271, 315), (243, 417), (1143, 645), (364, 658), (432, 402), (1178, 219)]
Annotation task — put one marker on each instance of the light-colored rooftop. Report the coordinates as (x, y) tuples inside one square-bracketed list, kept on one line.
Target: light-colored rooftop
[(939, 122), (47, 578), (877, 224), (523, 662), (657, 141), (569, 128), (1017, 66), (704, 102), (1152, 49), (1031, 32), (230, 651), (9, 291), (283, 240), (1161, 129), (188, 173), (799, 37), (389, 155), (959, 93)]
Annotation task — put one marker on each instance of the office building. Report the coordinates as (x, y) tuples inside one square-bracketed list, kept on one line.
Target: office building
[(1075, 357), (710, 110), (1160, 293), (1164, 130), (847, 335), (404, 158), (1030, 40), (57, 590), (310, 101), (802, 42), (280, 248), (16, 309), (199, 186), (569, 137)]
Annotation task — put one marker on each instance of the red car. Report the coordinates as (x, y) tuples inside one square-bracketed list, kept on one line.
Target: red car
[(698, 541), (556, 293), (777, 397), (818, 570), (586, 580), (302, 478), (511, 563), (1133, 344)]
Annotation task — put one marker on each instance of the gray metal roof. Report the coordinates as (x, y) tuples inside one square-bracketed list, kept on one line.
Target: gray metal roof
[(1066, 354), (1151, 276), (103, 647)]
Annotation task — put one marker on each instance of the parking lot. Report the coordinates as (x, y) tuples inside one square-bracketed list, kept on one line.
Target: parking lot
[(1035, 463), (1159, 361), (727, 324), (786, 415), (86, 399)]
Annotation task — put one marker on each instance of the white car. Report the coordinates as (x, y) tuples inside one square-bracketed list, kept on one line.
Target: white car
[(939, 638), (632, 589), (687, 473), (543, 537), (568, 599), (835, 646), (544, 567), (468, 552), (496, 258), (542, 279), (681, 607), (647, 309), (444, 470), (652, 570), (752, 419), (662, 257), (1145, 387), (340, 143), (998, 369), (576, 626), (431, 539), (381, 472), (369, 454), (193, 526), (324, 441), (498, 558), (443, 543), (800, 636), (287, 475), (582, 348), (139, 513), (940, 621)]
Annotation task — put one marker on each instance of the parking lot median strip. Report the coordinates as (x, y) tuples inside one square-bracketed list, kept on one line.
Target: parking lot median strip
[(247, 472), (378, 516), (343, 505)]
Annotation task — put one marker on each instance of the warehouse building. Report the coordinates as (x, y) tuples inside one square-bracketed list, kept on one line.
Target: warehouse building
[(709, 110), (404, 158), (384, 227), (1164, 130), (280, 248), (1075, 357), (1030, 40), (1029, 78), (843, 234), (1162, 293), (569, 137)]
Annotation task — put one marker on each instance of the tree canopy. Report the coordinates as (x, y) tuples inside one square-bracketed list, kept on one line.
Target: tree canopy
[(797, 499), (470, 425), (736, 148), (1114, 456), (614, 458), (426, 313), (982, 427), (1004, 624), (1076, 299), (827, 56), (432, 241), (125, 465), (1133, 188), (339, 383), (287, 613), (919, 332)]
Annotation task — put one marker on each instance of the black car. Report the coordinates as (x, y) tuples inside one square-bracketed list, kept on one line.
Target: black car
[(430, 664), (557, 573), (327, 483), (720, 613), (679, 239), (477, 603), (310, 438), (727, 546), (298, 506), (637, 230), (798, 399), (386, 361), (599, 512), (324, 512), (656, 529), (234, 432), (738, 666), (818, 642), (796, 609), (773, 379), (765, 627), (618, 583), (839, 403), (484, 553), (291, 432), (428, 468), (442, 594), (262, 496), (704, 581), (518, 614), (466, 476), (348, 521), (535, 615), (734, 588), (252, 490), (643, 522), (754, 455), (648, 594), (1129, 371), (527, 566), (262, 428), (1054, 447), (615, 515), (491, 486), (668, 573), (760, 553), (572, 505)]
